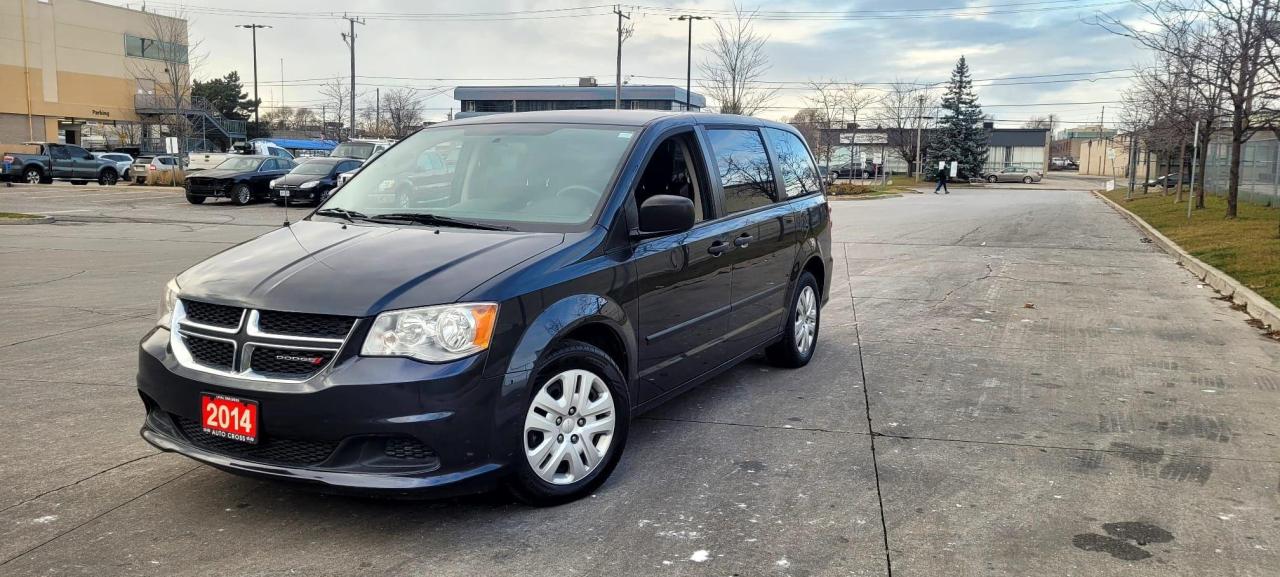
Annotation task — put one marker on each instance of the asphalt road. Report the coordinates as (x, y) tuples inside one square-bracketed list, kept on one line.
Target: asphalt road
[(1008, 382)]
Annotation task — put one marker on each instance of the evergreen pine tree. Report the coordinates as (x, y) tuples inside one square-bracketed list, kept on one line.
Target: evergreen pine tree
[(961, 136)]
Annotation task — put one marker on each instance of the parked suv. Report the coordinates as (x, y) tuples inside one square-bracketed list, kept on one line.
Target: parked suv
[(573, 270)]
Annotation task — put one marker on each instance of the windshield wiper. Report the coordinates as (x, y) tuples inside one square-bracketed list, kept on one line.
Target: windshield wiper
[(433, 219), (342, 213)]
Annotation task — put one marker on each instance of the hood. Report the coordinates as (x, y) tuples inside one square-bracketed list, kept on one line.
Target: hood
[(297, 179), (321, 267), (223, 173)]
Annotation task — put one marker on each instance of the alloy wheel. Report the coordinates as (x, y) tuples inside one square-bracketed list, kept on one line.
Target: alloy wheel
[(32, 176), (806, 323), (242, 194), (569, 427)]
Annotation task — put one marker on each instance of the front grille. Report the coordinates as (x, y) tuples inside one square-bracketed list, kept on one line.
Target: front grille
[(206, 187), (210, 353), (268, 449), (407, 448), (304, 325), (270, 361), (213, 315)]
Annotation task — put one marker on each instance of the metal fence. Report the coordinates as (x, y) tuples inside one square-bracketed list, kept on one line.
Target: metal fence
[(1259, 177)]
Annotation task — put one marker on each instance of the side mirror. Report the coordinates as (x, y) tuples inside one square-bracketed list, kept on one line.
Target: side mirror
[(663, 214)]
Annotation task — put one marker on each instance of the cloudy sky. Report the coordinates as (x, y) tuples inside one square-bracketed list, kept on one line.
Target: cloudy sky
[(1040, 56)]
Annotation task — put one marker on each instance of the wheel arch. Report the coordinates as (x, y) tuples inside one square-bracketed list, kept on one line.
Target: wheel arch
[(593, 319)]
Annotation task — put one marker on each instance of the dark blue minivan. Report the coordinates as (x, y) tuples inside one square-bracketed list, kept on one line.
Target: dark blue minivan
[(497, 318)]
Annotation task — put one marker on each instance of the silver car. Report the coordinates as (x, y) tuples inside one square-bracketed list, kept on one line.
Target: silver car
[(1016, 174), (123, 162)]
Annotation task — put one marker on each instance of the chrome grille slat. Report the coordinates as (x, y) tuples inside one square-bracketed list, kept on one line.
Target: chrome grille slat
[(246, 339)]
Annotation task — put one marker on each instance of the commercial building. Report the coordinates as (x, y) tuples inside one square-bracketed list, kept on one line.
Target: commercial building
[(1078, 136), (1024, 147), (481, 100), (1109, 156), (97, 75)]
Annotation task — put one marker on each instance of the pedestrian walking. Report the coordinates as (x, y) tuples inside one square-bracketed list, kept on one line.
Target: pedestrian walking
[(942, 183)]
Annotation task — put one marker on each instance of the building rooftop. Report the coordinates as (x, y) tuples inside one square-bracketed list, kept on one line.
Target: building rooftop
[(629, 92)]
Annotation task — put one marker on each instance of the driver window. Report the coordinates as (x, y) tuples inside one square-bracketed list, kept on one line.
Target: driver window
[(671, 171)]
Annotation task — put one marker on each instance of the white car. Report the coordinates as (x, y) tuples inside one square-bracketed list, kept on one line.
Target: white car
[(143, 166), (123, 162), (361, 149), (208, 160)]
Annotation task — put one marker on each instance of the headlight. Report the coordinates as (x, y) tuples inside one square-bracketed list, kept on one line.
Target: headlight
[(272, 184), (309, 184), (432, 334), (167, 302)]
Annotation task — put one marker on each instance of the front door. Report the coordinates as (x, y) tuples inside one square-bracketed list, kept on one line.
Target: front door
[(86, 166), (683, 279), (63, 165)]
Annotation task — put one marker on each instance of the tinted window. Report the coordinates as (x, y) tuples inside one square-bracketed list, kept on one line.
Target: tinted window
[(744, 168), (671, 172), (59, 152), (313, 168), (799, 174), (166, 160), (77, 152), (348, 166)]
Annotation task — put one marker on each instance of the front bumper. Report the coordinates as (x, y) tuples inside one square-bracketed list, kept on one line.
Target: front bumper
[(363, 424), (297, 194), (214, 190)]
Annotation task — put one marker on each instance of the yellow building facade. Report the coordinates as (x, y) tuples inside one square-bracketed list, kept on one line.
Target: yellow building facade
[(72, 70)]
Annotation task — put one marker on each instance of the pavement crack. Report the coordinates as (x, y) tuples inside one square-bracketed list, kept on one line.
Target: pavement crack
[(112, 321), (990, 273), (967, 234), (98, 516), (45, 282), (866, 398), (750, 425), (74, 483), (1066, 448)]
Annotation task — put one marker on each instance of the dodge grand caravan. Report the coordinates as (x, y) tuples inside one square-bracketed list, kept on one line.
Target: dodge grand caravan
[(564, 272)]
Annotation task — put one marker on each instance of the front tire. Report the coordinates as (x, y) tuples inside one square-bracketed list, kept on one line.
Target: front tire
[(241, 195), (575, 426), (193, 199), (32, 176), (108, 178), (993, 178), (800, 337), (1027, 180)]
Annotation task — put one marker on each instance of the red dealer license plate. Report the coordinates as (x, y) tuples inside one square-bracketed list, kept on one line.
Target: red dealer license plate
[(228, 417)]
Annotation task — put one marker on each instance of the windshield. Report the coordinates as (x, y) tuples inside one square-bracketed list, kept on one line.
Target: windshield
[(361, 150), (519, 175), (313, 168), (242, 163)]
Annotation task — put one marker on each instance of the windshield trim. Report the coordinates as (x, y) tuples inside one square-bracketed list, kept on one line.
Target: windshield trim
[(592, 221)]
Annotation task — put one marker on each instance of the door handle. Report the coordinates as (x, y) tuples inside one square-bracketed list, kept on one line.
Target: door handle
[(743, 240), (718, 248)]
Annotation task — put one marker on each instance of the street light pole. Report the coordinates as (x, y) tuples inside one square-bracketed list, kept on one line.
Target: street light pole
[(253, 28), (688, 64)]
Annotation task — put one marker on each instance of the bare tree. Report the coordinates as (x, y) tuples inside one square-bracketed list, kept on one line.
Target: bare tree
[(810, 123), (165, 65), (337, 95), (735, 64), (836, 104), (909, 109), (403, 107), (1049, 122), (1222, 44)]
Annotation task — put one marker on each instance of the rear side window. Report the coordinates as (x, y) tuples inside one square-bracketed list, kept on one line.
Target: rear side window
[(799, 174), (744, 168)]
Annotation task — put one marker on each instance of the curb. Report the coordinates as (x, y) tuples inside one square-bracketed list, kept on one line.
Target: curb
[(860, 197), (1257, 307), (36, 220)]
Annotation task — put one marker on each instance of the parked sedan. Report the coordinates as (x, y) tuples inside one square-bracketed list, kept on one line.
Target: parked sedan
[(1015, 174), (310, 181), (241, 178), (123, 162)]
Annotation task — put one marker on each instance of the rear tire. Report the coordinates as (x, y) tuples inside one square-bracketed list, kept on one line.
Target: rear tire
[(241, 195), (32, 175), (592, 372), (800, 335), (193, 199)]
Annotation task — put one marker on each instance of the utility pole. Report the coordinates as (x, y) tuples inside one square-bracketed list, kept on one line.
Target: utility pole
[(377, 112), (688, 64), (350, 39), (617, 93), (919, 133), (253, 28)]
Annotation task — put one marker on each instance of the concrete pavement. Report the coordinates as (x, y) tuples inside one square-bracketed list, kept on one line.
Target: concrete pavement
[(1047, 396)]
